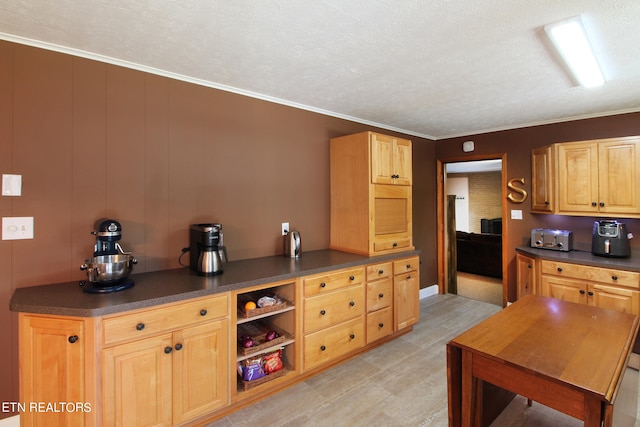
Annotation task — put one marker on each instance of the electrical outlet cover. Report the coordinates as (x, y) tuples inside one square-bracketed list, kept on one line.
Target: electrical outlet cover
[(17, 228)]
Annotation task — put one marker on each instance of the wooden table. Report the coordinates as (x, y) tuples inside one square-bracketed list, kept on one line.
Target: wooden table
[(570, 357)]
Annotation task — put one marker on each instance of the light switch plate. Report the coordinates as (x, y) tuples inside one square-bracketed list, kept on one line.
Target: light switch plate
[(11, 185), (17, 228), (285, 228)]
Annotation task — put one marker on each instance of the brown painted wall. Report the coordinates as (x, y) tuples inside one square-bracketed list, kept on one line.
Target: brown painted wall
[(518, 144), (93, 140)]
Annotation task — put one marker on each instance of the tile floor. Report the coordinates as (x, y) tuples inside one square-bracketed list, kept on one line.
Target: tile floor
[(402, 383)]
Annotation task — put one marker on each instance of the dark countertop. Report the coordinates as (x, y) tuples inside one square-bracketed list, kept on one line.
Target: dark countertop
[(584, 257), (161, 287)]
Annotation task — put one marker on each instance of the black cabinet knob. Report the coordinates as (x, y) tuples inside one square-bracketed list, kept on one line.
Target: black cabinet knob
[(203, 312), (322, 285), (408, 266), (408, 277), (395, 244), (352, 336), (546, 202), (323, 312), (601, 204), (323, 348), (594, 204), (178, 346), (380, 271), (590, 293), (559, 269), (140, 326), (352, 278), (73, 339), (352, 303), (614, 277), (168, 350), (530, 266), (582, 291), (380, 295), (381, 325)]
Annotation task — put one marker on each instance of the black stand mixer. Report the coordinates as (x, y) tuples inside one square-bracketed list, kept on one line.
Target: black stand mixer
[(110, 266)]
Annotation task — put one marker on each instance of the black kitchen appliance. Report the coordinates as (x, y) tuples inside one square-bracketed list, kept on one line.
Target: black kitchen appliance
[(109, 269), (206, 249), (610, 238)]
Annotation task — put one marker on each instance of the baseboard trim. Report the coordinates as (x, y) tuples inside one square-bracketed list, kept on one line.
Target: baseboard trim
[(426, 292), (10, 422)]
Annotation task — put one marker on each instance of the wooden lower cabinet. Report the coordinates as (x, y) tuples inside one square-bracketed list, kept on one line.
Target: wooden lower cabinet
[(406, 285), (56, 366), (526, 274), (175, 364), (168, 379), (599, 287)]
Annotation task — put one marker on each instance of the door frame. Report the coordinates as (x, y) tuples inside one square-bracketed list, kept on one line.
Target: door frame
[(441, 218)]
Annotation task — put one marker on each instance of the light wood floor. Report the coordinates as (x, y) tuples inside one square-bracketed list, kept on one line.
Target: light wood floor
[(404, 383)]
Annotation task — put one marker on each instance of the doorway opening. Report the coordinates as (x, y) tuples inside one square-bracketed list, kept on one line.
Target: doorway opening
[(471, 230)]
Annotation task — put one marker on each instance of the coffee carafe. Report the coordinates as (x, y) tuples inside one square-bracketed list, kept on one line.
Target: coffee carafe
[(205, 249)]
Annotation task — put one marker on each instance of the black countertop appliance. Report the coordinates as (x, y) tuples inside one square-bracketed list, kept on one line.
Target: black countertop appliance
[(611, 239)]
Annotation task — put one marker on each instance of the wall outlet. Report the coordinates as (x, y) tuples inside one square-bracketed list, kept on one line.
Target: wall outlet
[(285, 228), (17, 228), (11, 185), (516, 214)]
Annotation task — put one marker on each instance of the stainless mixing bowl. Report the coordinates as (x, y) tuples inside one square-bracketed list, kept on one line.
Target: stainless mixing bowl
[(108, 269)]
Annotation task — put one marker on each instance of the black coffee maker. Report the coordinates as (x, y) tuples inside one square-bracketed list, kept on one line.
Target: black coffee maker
[(206, 249)]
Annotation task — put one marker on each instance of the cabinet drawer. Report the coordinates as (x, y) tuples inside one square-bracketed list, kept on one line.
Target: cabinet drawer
[(406, 265), (323, 311), (326, 345), (591, 274), (379, 324), (385, 245), (144, 323), (379, 271), (379, 294), (324, 283)]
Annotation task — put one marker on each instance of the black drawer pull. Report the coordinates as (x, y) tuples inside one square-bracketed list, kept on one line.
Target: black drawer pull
[(601, 204), (395, 244), (582, 291), (352, 278), (559, 269), (380, 295), (352, 303), (614, 277), (178, 346), (380, 271), (323, 312), (408, 277), (323, 348), (594, 204), (73, 339), (590, 293), (322, 285), (140, 326), (408, 266), (530, 266), (203, 312), (168, 350), (352, 336), (381, 325)]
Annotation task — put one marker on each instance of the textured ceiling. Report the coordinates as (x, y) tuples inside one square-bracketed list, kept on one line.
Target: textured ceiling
[(436, 68)]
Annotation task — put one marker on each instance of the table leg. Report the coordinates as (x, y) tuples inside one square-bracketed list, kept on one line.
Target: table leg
[(471, 393), (454, 384), (594, 412), (608, 415)]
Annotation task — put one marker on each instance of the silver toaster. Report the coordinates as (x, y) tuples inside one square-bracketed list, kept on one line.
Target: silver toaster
[(557, 240)]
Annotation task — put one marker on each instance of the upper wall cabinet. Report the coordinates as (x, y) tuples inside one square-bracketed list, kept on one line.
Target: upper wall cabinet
[(390, 160), (594, 178), (542, 182), (371, 199)]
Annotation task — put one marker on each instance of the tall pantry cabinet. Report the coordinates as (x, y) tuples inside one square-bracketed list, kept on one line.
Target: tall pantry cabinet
[(371, 201)]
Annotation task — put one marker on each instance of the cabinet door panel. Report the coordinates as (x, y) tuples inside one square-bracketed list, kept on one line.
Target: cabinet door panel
[(403, 165), (578, 177), (52, 369), (382, 152), (406, 299), (564, 289), (624, 300), (199, 370), (542, 179), (137, 383), (618, 184), (525, 267)]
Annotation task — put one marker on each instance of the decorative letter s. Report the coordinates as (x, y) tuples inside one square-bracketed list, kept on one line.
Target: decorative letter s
[(521, 191)]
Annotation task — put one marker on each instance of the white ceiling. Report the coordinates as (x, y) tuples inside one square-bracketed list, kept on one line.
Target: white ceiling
[(431, 68)]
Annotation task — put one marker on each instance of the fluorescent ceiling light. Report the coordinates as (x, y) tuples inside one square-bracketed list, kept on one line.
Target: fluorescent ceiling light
[(572, 43)]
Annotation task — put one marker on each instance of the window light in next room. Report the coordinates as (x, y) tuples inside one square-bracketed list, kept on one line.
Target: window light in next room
[(571, 41)]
